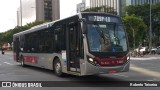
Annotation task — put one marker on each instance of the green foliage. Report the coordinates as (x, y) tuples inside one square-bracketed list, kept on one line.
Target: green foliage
[(106, 9), (156, 19), (143, 11), (7, 37), (136, 24)]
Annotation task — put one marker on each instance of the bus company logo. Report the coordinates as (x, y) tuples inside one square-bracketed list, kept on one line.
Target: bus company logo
[(104, 63), (6, 84)]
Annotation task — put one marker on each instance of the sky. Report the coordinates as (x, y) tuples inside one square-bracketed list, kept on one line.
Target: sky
[(8, 9), (8, 16)]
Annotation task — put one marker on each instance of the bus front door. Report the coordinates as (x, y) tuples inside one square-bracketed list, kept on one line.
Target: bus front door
[(73, 48)]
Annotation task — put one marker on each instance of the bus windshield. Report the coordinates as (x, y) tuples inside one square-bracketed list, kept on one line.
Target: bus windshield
[(106, 37)]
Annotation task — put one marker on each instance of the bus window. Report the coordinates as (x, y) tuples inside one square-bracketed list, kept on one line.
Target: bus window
[(60, 39)]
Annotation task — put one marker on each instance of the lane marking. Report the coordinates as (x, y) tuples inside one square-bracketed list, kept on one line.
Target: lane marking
[(154, 79), (121, 75), (145, 71), (147, 63), (8, 63)]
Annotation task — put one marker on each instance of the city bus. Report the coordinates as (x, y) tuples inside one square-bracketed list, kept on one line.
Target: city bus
[(87, 43)]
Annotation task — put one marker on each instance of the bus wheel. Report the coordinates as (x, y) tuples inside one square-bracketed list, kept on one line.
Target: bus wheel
[(22, 62), (58, 68)]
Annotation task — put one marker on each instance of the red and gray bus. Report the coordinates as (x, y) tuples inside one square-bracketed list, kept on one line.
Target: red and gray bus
[(83, 44)]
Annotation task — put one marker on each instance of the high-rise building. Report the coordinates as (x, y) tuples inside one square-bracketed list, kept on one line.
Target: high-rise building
[(109, 3), (139, 2), (119, 5), (39, 10), (18, 17), (81, 6), (47, 10)]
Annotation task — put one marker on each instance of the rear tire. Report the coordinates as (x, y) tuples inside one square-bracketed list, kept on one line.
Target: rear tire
[(58, 68)]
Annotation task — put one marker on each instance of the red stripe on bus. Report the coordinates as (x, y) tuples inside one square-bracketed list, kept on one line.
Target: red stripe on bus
[(111, 61), (31, 59)]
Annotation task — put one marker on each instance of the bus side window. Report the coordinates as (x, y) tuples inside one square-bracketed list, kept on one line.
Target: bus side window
[(60, 39)]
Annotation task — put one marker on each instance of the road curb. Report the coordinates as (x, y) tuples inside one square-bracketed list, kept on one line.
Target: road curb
[(149, 58)]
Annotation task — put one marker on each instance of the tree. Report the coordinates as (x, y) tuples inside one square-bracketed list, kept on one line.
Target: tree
[(156, 24), (7, 37), (140, 11), (1, 39), (143, 11), (135, 25)]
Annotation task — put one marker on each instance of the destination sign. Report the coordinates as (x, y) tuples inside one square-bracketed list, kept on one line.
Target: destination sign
[(103, 18)]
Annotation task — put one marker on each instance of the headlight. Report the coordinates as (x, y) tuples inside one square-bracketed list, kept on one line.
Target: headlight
[(128, 57), (90, 59)]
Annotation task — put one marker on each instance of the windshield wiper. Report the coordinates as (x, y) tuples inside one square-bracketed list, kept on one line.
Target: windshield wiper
[(115, 35), (100, 32)]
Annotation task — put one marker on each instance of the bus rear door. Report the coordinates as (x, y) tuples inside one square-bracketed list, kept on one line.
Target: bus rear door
[(17, 49)]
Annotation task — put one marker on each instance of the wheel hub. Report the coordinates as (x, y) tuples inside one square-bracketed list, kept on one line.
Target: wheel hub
[(57, 67)]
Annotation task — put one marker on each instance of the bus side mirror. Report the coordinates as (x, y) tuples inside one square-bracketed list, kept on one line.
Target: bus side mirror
[(84, 25)]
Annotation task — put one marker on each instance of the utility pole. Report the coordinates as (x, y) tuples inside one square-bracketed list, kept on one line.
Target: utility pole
[(21, 11), (150, 29), (133, 36)]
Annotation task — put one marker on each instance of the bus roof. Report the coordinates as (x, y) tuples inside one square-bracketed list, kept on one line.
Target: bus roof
[(35, 28), (109, 14), (49, 24)]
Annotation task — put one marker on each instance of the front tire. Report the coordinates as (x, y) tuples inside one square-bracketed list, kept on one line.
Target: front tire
[(58, 68)]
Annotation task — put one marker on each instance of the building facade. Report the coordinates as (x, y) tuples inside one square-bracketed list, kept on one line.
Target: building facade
[(47, 10), (81, 7), (115, 4), (140, 2), (18, 17), (39, 10), (119, 5)]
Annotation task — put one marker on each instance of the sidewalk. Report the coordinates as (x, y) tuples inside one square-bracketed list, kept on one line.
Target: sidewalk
[(147, 57), (7, 52)]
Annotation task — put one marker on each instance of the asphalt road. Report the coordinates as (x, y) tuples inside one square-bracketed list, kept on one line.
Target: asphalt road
[(144, 69)]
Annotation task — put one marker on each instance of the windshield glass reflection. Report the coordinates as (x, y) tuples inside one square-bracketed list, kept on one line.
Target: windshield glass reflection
[(106, 37)]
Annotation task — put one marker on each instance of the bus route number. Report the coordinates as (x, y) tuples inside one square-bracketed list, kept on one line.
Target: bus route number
[(99, 18)]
